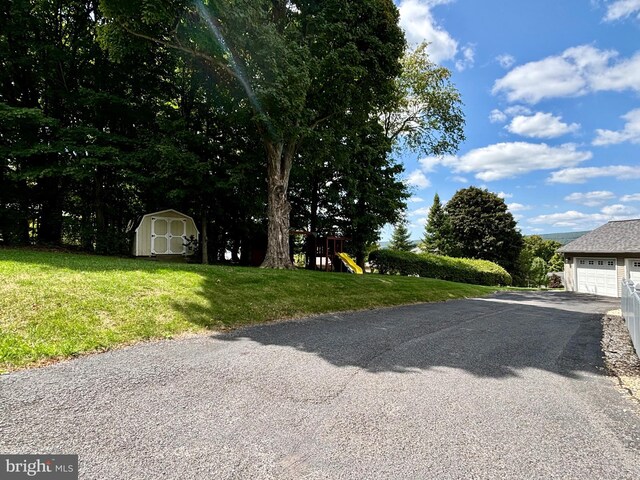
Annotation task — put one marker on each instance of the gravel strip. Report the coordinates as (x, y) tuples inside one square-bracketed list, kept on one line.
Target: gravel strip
[(621, 359)]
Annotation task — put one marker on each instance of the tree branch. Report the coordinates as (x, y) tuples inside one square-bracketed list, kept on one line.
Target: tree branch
[(320, 120), (190, 51), (401, 128)]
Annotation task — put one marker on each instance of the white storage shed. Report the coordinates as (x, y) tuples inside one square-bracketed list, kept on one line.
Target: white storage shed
[(164, 233)]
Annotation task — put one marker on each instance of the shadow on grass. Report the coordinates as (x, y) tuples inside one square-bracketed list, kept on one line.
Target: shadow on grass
[(202, 314), (489, 337)]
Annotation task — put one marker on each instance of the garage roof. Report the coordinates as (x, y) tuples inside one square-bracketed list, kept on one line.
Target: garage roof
[(621, 236)]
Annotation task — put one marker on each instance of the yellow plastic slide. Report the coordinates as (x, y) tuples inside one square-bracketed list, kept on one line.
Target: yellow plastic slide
[(350, 264)]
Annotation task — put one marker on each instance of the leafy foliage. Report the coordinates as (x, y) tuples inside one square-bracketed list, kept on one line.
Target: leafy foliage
[(426, 114), (537, 247), (540, 247), (347, 183), (110, 109), (556, 263), (483, 228), (478, 272), (555, 281), (538, 271)]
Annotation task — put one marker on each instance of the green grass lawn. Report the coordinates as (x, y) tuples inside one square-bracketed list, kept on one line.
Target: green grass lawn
[(56, 305)]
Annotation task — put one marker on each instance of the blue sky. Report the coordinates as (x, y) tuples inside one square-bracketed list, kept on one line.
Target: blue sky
[(552, 104)]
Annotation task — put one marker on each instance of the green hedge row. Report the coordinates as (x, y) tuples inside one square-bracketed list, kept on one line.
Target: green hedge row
[(463, 270)]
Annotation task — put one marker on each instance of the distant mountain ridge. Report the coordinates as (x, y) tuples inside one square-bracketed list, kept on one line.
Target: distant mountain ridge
[(565, 237)]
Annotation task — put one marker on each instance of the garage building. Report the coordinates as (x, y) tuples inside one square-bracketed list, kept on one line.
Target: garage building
[(597, 262)]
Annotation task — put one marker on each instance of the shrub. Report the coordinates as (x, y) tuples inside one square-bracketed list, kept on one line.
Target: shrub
[(555, 281), (463, 270), (538, 272)]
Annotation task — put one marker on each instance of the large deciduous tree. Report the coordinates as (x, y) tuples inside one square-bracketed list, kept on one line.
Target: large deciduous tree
[(299, 62), (534, 246), (483, 228), (426, 112)]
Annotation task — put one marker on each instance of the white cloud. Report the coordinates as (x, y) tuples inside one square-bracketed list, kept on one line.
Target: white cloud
[(418, 179), (622, 9), (571, 219), (517, 207), (540, 125), (581, 175), (496, 116), (617, 210), (468, 58), (419, 222), (507, 160), (429, 164), (577, 71), (459, 179), (517, 110), (634, 197), (630, 132), (590, 199), (505, 60), (415, 199), (504, 195), (419, 212), (419, 25)]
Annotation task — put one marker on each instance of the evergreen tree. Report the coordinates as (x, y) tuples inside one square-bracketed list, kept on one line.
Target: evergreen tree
[(437, 231), (401, 238)]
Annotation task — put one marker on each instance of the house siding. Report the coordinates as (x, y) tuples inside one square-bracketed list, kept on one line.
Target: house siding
[(620, 273), (569, 277)]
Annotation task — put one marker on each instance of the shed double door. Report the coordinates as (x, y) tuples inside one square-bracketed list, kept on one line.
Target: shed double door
[(168, 235)]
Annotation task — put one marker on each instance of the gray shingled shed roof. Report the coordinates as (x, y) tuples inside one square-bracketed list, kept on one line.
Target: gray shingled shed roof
[(615, 237)]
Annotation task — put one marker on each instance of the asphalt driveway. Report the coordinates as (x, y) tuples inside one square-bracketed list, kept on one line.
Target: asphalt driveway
[(504, 387)]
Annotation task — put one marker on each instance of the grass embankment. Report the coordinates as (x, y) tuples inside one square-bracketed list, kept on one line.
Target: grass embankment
[(56, 305)]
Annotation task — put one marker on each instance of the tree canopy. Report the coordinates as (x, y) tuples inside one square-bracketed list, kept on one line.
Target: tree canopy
[(250, 115), (426, 112), (299, 63), (483, 228), (534, 246)]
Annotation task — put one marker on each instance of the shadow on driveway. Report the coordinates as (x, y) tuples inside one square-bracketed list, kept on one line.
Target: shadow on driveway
[(489, 337)]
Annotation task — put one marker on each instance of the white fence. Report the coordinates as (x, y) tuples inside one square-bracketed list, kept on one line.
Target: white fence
[(631, 310)]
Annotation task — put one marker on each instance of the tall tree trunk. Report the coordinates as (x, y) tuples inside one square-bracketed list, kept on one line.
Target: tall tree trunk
[(313, 208), (87, 230), (204, 238), (99, 207), (279, 162), (50, 224)]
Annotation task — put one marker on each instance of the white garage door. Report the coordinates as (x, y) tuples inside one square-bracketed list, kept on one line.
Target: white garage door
[(597, 276), (634, 270)]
